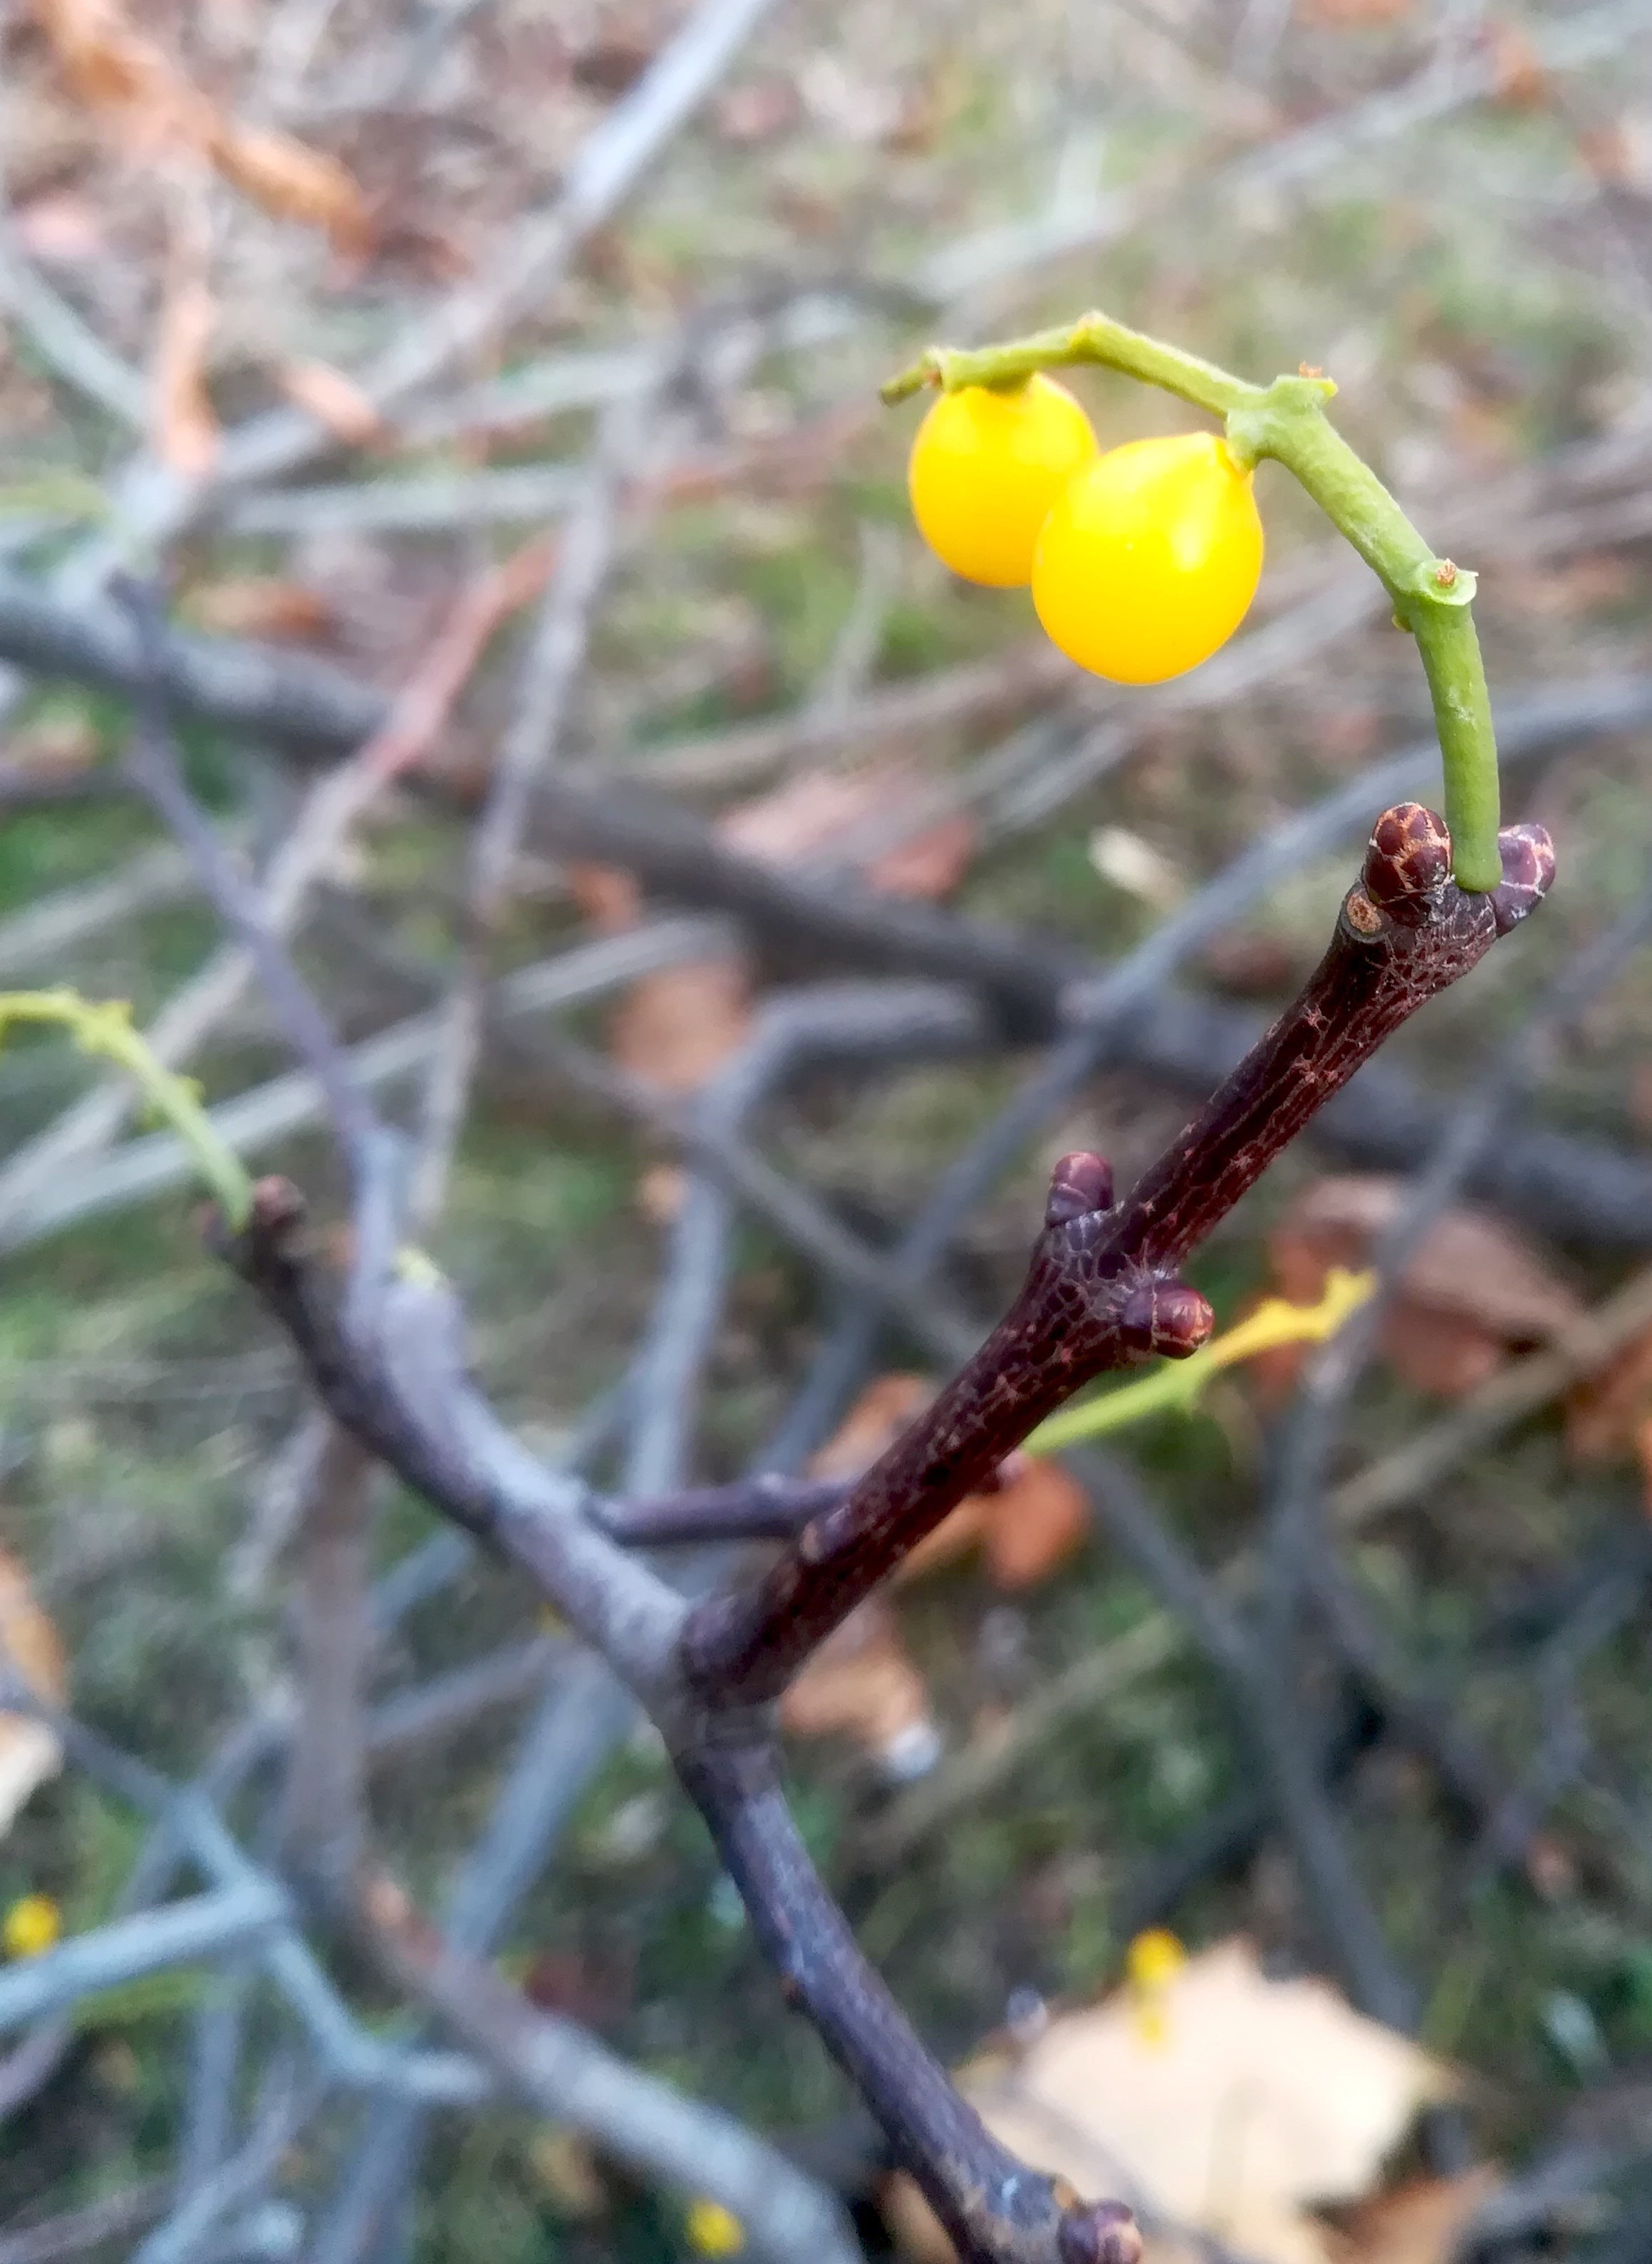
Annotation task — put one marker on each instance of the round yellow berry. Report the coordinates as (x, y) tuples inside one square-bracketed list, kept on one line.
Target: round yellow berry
[(32, 1926), (1149, 558), (985, 467), (714, 2231)]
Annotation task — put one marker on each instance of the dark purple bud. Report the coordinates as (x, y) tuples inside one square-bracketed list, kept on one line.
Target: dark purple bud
[(1528, 872), (1080, 1183), (1106, 2232), (1167, 1317), (1410, 854)]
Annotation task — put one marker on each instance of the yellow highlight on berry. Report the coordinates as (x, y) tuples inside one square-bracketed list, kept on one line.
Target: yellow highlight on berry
[(32, 1926), (714, 2231)]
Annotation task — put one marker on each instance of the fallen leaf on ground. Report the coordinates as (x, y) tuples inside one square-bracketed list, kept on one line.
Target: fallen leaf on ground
[(115, 67), (1032, 1523), (259, 606), (677, 1027), (1475, 1291), (853, 813), (1024, 1527), (912, 2225), (1610, 1414), (1520, 80), (31, 1650), (877, 1418), (864, 1684), (1352, 15), (184, 425), (333, 400), (1418, 2223), (1251, 2101)]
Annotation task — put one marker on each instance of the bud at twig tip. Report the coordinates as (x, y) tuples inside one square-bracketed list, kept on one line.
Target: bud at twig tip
[(1409, 855)]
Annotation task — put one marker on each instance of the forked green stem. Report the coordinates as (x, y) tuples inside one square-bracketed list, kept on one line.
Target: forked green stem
[(1286, 421)]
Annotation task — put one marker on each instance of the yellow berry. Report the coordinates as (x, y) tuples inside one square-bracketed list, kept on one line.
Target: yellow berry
[(714, 2231), (1149, 558), (985, 467), (33, 1925)]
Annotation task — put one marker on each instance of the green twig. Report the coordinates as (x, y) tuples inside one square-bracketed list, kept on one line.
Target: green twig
[(105, 1027), (1286, 421), (1179, 1385)]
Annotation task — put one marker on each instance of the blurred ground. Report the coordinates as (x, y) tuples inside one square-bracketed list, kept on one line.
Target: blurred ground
[(1448, 208)]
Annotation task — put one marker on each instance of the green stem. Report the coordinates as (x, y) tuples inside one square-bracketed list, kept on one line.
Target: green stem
[(1286, 421), (1462, 720), (1094, 339), (105, 1028)]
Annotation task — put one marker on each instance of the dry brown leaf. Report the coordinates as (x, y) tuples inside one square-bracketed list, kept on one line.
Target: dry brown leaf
[(292, 181), (1520, 81), (757, 111), (1474, 1291), (258, 605), (1245, 2102), (333, 400), (1605, 1413), (1026, 1527), (809, 815), (185, 434), (1418, 2223), (877, 1418), (912, 2225), (113, 66), (1352, 15), (677, 1026), (863, 1684), (660, 1192), (1032, 1524), (931, 864), (29, 1750), (610, 899)]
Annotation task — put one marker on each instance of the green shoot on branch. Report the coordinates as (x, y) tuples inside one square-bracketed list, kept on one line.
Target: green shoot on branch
[(105, 1027), (1177, 1387)]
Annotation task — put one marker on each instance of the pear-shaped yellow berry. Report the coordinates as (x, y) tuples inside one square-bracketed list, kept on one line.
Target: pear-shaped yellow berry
[(1149, 558), (986, 466)]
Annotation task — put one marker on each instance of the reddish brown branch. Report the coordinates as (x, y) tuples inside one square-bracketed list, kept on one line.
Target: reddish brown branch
[(1102, 1289)]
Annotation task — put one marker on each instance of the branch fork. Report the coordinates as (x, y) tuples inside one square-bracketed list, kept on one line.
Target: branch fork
[(1104, 1290)]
